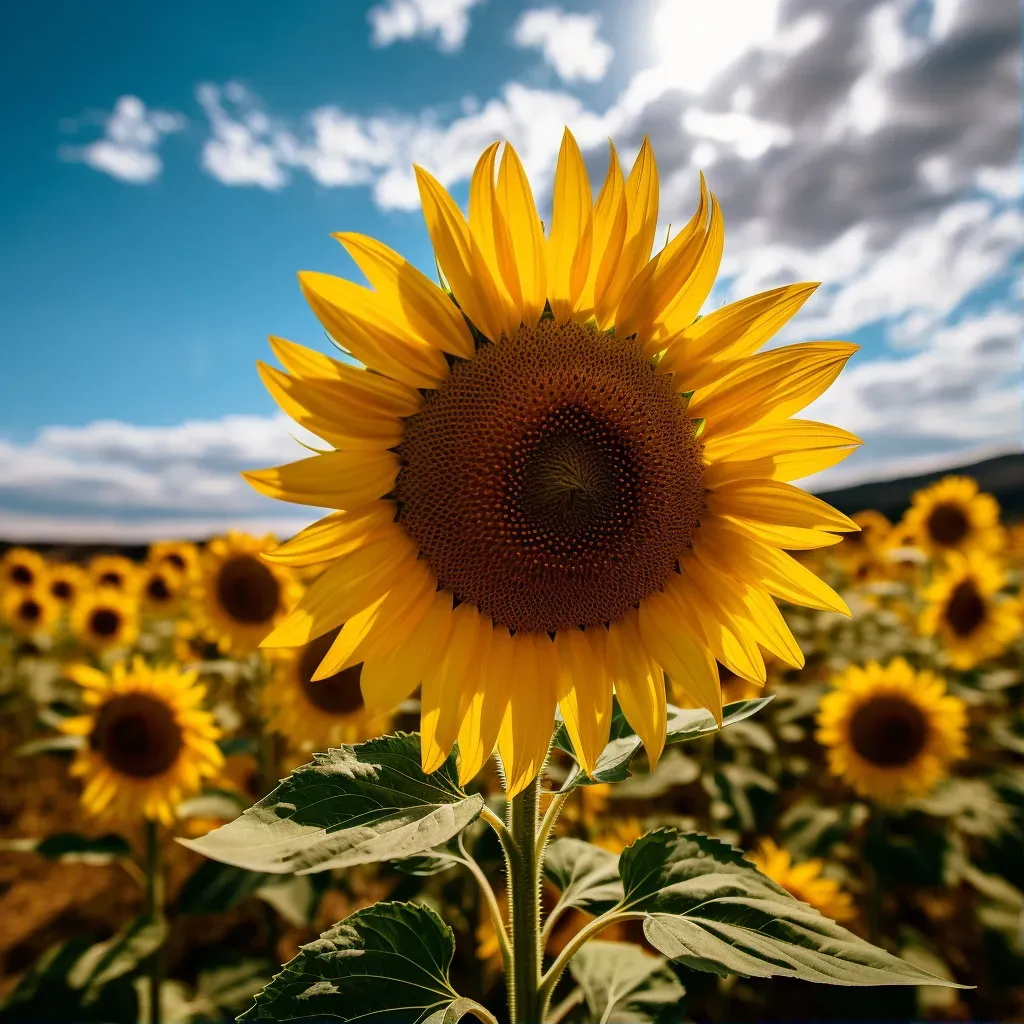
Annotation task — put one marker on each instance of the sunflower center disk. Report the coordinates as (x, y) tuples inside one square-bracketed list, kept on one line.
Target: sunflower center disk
[(553, 480), (336, 695), (888, 731), (947, 524), (137, 735), (21, 574), (965, 610), (157, 589), (247, 590), (31, 611), (105, 622)]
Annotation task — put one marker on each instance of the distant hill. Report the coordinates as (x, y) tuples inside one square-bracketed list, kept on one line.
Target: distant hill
[(1002, 476)]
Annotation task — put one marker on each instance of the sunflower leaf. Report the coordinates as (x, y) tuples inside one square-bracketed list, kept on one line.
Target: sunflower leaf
[(352, 805), (69, 847), (708, 908), (116, 957), (384, 963), (586, 875), (623, 982), (683, 724)]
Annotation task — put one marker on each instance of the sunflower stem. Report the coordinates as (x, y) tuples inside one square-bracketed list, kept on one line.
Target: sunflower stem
[(524, 907), (155, 913)]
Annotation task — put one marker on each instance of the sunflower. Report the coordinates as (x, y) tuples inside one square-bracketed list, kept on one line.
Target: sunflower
[(150, 744), (891, 732), (952, 516), (803, 881), (239, 596), (314, 715), (555, 480), (66, 581), (30, 611), (967, 615), (21, 567), (862, 553), (114, 571), (160, 588), (181, 555), (105, 618)]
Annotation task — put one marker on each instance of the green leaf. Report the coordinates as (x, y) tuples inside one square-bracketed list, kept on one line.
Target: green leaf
[(684, 724), (621, 982), (119, 955), (70, 847), (353, 805), (707, 907), (214, 888), (294, 897), (386, 964), (51, 745), (586, 875)]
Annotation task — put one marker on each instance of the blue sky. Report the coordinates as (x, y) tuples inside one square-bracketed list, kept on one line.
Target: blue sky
[(169, 168)]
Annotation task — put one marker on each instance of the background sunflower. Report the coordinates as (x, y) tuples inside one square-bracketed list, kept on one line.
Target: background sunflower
[(30, 611), (115, 571), (21, 567), (805, 880), (952, 515), (105, 619), (66, 581)]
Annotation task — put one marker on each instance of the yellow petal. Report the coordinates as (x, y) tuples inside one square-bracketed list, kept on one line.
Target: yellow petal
[(87, 677), (414, 301), (459, 256), (654, 288), (570, 213), (773, 632), (345, 588), (356, 318), (342, 480), (488, 700), (674, 645), (344, 424), (777, 503), (447, 684), (770, 386), (641, 193), (585, 691), (528, 724), (795, 448), (728, 550), (607, 228), (529, 269), (336, 535), (352, 382), (390, 674), (789, 538), (639, 683)]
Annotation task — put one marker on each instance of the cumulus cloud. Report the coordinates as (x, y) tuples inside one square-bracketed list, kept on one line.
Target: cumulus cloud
[(444, 21), (110, 472), (569, 43), (132, 134)]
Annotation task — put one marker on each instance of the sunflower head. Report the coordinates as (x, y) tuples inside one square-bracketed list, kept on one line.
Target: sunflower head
[(114, 571), (181, 556), (66, 581), (965, 610), (952, 516), (105, 619), (555, 479), (160, 588), (22, 567), (892, 733), (30, 611), (803, 881), (238, 596), (315, 713), (148, 744)]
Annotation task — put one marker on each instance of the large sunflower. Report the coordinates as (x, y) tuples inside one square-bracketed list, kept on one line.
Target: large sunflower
[(804, 881), (239, 597), (315, 715), (30, 611), (966, 613), (150, 744), (891, 732), (21, 567), (952, 516), (105, 619), (555, 480)]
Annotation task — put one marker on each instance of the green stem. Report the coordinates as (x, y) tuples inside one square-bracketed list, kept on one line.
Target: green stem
[(524, 908), (155, 913)]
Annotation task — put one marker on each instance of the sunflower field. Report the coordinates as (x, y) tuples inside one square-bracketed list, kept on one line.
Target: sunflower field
[(882, 783)]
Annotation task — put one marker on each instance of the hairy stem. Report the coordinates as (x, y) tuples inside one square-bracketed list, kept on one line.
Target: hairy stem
[(524, 908)]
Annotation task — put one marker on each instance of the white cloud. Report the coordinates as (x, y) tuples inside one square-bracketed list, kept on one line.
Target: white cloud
[(445, 20), (113, 472), (131, 137), (569, 43)]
